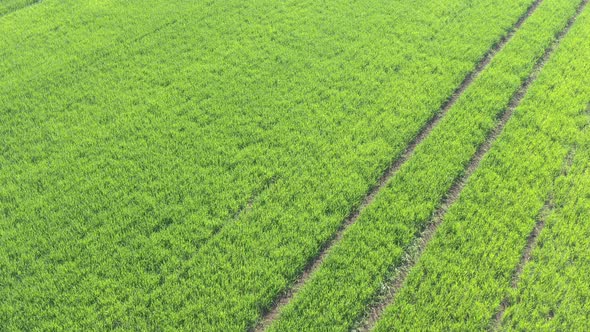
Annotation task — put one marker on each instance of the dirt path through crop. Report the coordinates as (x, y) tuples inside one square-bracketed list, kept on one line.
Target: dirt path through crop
[(420, 244), (283, 300)]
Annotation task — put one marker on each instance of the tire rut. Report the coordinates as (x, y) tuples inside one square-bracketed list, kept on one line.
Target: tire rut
[(271, 314), (418, 247)]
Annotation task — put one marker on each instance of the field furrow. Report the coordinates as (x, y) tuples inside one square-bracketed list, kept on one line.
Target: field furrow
[(525, 258), (391, 171), (358, 268), (293, 165), (136, 134), (553, 286), (468, 268), (9, 6)]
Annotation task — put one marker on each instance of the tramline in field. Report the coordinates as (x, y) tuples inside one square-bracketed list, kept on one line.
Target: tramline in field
[(292, 165)]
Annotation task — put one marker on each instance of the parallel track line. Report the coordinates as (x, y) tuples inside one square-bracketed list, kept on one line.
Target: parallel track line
[(270, 315)]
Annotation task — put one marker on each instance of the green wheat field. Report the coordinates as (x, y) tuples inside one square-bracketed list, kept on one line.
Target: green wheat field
[(294, 165)]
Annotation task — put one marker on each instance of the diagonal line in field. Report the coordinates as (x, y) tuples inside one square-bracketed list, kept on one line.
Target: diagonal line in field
[(266, 184), (525, 258), (154, 31), (23, 7), (271, 314), (420, 244), (531, 244)]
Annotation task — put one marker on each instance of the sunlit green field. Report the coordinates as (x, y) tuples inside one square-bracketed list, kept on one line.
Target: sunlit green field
[(181, 165)]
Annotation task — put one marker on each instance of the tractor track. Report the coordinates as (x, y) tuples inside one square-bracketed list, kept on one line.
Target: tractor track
[(420, 244), (271, 314)]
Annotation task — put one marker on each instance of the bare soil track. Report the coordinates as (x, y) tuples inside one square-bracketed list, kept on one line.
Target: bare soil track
[(272, 314), (453, 194)]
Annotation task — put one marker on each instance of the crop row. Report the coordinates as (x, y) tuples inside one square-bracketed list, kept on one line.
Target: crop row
[(56, 36), (554, 285), (125, 176), (356, 269), (467, 269), (181, 171), (9, 6)]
